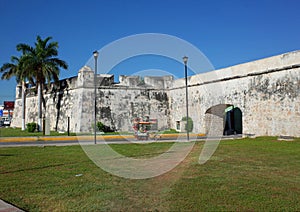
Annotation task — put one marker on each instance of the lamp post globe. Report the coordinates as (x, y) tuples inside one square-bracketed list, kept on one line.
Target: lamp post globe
[(95, 53), (185, 59)]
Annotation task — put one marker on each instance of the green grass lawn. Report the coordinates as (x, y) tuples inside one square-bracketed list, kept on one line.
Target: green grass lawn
[(260, 174), (17, 132)]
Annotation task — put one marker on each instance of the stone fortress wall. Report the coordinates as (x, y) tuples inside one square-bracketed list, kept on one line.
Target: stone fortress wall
[(117, 104), (266, 91), (264, 95)]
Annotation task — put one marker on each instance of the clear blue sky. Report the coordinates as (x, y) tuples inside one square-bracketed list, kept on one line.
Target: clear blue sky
[(228, 32)]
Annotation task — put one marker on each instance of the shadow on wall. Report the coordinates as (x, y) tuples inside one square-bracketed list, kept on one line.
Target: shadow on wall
[(223, 119), (58, 91)]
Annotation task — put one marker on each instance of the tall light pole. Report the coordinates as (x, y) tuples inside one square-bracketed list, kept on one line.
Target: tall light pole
[(95, 53), (185, 59)]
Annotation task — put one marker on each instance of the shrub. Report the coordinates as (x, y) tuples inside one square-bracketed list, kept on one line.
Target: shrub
[(31, 126), (100, 126), (103, 128), (190, 125)]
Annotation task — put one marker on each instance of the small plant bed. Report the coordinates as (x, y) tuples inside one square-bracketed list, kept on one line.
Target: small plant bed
[(118, 133), (170, 131)]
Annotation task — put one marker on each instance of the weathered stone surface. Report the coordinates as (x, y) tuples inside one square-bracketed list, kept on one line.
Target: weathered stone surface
[(266, 92)]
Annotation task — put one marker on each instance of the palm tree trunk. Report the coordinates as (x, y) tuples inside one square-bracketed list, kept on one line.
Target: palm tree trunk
[(39, 107), (23, 104)]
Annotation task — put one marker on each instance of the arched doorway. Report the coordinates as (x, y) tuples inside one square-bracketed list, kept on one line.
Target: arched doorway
[(223, 119)]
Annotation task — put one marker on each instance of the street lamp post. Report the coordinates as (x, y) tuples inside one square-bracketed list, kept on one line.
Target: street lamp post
[(95, 53), (185, 59)]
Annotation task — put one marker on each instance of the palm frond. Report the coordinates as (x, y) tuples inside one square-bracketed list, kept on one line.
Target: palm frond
[(24, 48)]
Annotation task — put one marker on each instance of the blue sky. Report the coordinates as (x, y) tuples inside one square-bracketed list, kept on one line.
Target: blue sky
[(228, 32)]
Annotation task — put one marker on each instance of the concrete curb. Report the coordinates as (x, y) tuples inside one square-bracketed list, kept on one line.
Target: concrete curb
[(91, 137), (5, 207)]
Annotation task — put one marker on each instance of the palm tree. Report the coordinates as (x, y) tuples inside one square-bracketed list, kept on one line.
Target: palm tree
[(43, 61), (15, 69)]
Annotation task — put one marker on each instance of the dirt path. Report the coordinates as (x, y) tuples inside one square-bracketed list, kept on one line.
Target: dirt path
[(154, 194)]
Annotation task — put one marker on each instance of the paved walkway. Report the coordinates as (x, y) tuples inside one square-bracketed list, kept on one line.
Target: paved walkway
[(6, 207)]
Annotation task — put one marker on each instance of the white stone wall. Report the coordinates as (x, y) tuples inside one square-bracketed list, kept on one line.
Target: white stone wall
[(118, 106), (273, 103), (267, 92)]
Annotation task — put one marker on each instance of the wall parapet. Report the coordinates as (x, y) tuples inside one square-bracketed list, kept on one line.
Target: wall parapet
[(276, 63), (239, 76)]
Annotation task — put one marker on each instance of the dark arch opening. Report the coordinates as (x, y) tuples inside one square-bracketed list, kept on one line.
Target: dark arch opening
[(233, 124), (223, 119)]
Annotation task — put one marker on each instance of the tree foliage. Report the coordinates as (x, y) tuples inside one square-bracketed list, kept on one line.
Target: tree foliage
[(38, 64), (190, 125), (42, 60)]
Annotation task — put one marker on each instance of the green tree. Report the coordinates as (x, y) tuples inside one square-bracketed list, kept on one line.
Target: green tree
[(189, 125), (15, 69), (46, 66)]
